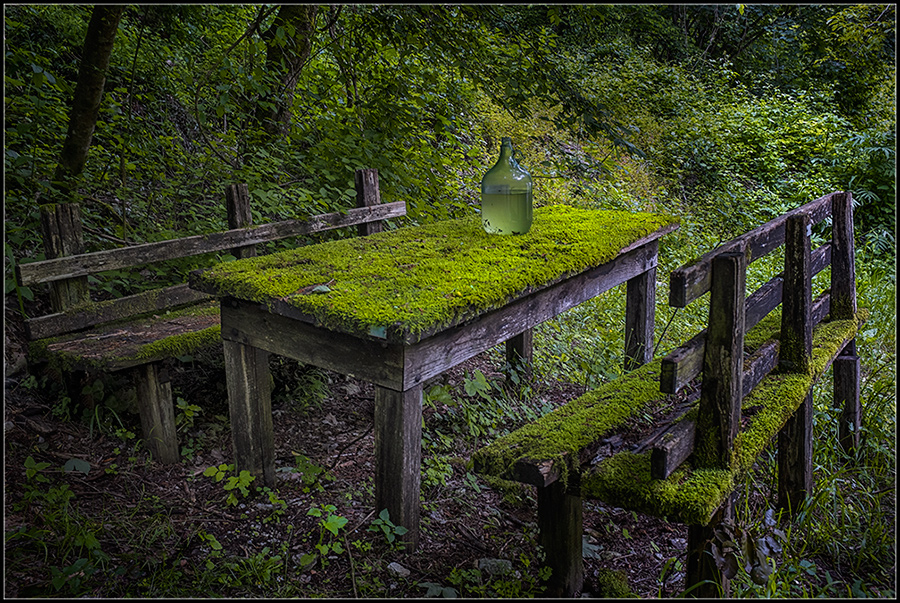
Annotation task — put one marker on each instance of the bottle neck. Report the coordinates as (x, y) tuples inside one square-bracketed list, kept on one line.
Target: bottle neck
[(506, 152)]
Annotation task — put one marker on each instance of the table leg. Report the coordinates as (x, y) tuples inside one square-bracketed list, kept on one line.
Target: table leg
[(519, 353), (398, 457), (640, 314), (250, 410)]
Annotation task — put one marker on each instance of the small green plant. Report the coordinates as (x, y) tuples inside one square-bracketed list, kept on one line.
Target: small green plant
[(385, 526), (240, 482), (329, 523), (186, 414)]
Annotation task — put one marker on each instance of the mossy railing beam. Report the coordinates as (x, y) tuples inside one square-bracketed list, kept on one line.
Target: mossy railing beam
[(237, 205), (795, 355), (843, 290)]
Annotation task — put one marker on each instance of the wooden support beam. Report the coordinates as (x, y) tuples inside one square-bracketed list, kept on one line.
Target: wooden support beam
[(368, 194), (690, 282), (719, 411), (843, 306), (89, 263), (560, 529), (640, 314), (248, 381), (237, 204), (795, 354), (398, 458), (62, 236), (519, 354), (157, 412), (703, 578)]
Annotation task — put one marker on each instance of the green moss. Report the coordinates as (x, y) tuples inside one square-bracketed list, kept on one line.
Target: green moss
[(559, 435), (692, 495), (416, 279), (181, 344), (120, 342), (612, 584)]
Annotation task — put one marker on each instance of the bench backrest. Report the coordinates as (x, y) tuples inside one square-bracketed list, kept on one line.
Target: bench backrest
[(68, 268), (717, 352)]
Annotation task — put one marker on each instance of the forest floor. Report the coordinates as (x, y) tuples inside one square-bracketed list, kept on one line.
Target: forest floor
[(156, 521)]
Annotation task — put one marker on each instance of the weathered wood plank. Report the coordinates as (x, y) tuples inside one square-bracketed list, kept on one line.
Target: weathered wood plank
[(398, 458), (719, 410), (685, 362), (449, 347), (252, 324), (795, 354), (690, 282), (84, 264), (50, 325)]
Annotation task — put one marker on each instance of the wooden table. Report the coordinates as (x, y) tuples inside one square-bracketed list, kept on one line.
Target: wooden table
[(399, 307)]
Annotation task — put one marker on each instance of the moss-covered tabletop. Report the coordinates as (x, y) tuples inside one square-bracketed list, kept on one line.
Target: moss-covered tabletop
[(421, 279)]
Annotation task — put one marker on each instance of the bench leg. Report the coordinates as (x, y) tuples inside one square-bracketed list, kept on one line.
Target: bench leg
[(560, 532), (640, 314), (846, 392), (703, 577), (154, 398), (398, 457), (248, 380), (795, 447)]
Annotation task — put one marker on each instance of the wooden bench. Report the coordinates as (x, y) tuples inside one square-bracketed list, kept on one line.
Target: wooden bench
[(674, 437), (139, 332)]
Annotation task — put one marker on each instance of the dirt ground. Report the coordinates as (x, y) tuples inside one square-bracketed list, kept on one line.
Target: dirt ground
[(464, 521)]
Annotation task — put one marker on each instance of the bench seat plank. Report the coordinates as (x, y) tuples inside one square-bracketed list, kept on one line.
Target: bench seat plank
[(123, 344), (692, 496)]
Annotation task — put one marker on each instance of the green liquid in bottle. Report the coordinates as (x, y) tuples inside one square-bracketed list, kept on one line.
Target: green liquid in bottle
[(506, 213)]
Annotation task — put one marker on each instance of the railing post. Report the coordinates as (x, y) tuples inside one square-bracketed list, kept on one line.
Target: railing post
[(237, 203), (846, 367), (367, 195), (719, 411), (62, 236), (795, 354)]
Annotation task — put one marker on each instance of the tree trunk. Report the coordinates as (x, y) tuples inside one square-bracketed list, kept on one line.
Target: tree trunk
[(98, 45), (286, 57)]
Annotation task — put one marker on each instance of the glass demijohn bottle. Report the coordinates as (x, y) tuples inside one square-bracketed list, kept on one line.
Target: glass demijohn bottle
[(506, 195)]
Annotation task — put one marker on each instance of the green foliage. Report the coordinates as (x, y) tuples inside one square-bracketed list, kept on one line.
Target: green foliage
[(240, 482), (383, 525)]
